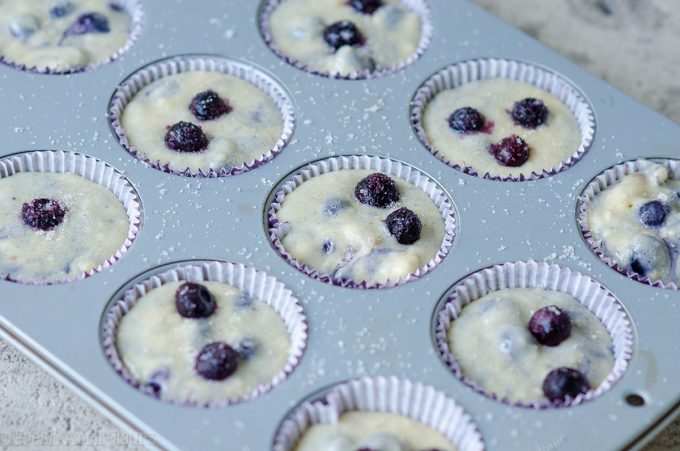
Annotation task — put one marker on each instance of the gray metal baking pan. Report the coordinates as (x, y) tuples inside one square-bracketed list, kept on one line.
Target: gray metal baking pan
[(385, 332)]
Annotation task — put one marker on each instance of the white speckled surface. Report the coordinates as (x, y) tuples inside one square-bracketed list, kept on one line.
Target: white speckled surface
[(623, 41)]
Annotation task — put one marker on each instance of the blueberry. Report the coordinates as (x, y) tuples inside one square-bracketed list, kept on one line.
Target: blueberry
[(333, 205), (208, 105), (117, 7), (563, 383), (248, 347), (156, 383), (328, 246), (23, 26), (512, 151), (88, 23), (550, 325), (61, 9), (377, 190), (43, 214), (466, 120), (217, 361), (186, 137), (365, 6), (653, 213), (343, 33), (529, 113), (404, 225), (194, 300), (639, 266)]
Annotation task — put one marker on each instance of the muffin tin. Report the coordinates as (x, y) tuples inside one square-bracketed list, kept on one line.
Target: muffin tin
[(352, 332)]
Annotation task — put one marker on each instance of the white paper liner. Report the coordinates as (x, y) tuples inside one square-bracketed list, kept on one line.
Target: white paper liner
[(373, 163), (91, 169), (530, 274), (210, 63), (414, 400), (418, 6), (482, 69), (257, 284), (600, 183), (136, 13)]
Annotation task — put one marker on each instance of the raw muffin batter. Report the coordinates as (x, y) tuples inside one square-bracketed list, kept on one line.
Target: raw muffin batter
[(637, 223), (62, 34), (373, 430), (161, 346), (552, 138), (225, 121), (326, 227), (56, 226), (514, 364), (341, 37)]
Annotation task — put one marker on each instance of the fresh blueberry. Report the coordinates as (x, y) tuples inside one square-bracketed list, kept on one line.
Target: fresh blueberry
[(194, 300), (328, 246), (248, 347), (653, 213), (43, 214), (23, 26), (186, 137), (61, 9), (404, 225), (365, 6), (512, 151), (217, 361), (550, 325), (343, 33), (639, 266), (157, 381), (88, 23), (466, 120), (563, 383), (529, 113), (333, 205), (208, 105), (377, 190)]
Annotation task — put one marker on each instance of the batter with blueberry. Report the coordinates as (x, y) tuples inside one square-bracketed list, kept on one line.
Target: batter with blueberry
[(539, 346), (501, 127), (62, 34), (345, 36), (637, 223)]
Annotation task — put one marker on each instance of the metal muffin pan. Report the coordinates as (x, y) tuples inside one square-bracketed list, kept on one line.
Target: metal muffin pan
[(352, 332)]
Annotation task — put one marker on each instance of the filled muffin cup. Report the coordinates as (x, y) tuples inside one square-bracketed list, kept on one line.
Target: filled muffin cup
[(602, 182), (131, 7), (530, 274), (157, 70), (255, 283), (391, 395), (469, 71), (91, 169), (277, 229), (420, 7)]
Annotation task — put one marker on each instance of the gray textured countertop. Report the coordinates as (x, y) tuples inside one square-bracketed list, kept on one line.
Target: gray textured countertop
[(630, 43)]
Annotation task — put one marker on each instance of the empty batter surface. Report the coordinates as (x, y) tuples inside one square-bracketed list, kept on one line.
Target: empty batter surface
[(388, 36), (62, 34), (160, 347), (637, 223), (93, 228), (491, 342), (328, 229), (550, 143), (375, 431), (250, 128)]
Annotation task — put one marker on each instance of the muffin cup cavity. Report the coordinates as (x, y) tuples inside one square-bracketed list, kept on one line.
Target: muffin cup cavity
[(277, 229), (482, 69), (152, 72), (254, 282), (414, 400), (605, 180), (91, 169), (418, 6), (136, 12), (530, 274)]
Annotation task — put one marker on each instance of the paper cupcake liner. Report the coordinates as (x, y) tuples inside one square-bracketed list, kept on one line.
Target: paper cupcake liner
[(482, 69), (91, 169), (418, 6), (392, 167), (530, 274), (254, 282), (136, 12), (414, 400), (199, 62), (602, 182)]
